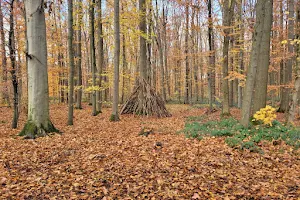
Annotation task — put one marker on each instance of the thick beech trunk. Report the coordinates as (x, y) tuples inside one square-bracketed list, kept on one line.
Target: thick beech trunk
[(38, 122)]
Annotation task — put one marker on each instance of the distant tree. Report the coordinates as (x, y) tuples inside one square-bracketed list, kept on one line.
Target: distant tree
[(38, 121)]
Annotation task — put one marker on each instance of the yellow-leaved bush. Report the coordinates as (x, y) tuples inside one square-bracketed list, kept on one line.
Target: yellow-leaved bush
[(265, 115)]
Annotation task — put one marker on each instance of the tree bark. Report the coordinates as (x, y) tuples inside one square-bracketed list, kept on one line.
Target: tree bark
[(143, 47), (263, 12), (288, 71), (38, 122), (13, 71), (79, 55), (5, 96), (295, 96), (71, 62), (115, 113), (260, 94), (228, 9), (186, 51), (100, 57), (212, 59), (92, 52)]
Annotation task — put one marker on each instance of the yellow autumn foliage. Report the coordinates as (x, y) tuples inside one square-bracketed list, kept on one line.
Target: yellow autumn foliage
[(265, 115)]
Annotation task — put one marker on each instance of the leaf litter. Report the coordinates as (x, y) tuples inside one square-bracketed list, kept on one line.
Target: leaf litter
[(99, 159)]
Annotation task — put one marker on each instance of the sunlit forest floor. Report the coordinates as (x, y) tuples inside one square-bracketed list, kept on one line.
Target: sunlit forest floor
[(99, 159)]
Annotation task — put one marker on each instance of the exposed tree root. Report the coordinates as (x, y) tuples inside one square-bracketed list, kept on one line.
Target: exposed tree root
[(32, 131), (145, 101)]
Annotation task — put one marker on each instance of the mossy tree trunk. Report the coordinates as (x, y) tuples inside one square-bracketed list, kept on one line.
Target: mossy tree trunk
[(38, 122)]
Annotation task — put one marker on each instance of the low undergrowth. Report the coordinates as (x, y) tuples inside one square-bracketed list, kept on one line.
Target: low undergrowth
[(236, 136)]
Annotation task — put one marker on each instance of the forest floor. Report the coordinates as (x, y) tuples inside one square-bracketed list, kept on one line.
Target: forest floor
[(99, 159)]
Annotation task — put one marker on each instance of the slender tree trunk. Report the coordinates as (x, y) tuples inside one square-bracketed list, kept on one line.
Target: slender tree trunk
[(186, 51), (228, 7), (195, 56), (93, 57), (241, 52), (284, 103), (161, 57), (38, 122), (71, 62), (282, 64), (100, 56), (115, 113), (262, 26), (5, 96), (79, 55), (167, 78), (295, 97), (124, 68), (12, 55), (212, 59)]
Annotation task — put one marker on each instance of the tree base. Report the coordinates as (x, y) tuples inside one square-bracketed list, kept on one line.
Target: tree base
[(114, 118), (145, 101), (32, 131), (226, 115), (282, 110)]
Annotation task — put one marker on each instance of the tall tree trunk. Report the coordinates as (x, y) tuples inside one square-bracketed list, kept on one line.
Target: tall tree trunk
[(12, 55), (79, 55), (186, 51), (282, 64), (124, 68), (92, 52), (195, 55), (71, 62), (115, 113), (260, 94), (5, 96), (295, 97), (240, 43), (211, 73), (100, 56), (284, 103), (261, 31), (167, 78), (143, 47), (161, 56), (38, 121), (228, 9)]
